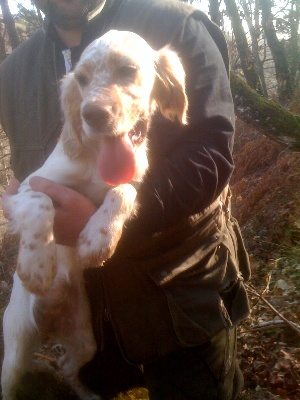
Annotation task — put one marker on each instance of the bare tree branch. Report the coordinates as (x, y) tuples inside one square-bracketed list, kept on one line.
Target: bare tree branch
[(293, 326)]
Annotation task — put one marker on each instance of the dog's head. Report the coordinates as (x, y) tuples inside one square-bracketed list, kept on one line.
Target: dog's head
[(114, 90)]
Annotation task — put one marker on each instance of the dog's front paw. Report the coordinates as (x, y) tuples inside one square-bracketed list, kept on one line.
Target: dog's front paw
[(37, 264), (99, 239), (98, 243)]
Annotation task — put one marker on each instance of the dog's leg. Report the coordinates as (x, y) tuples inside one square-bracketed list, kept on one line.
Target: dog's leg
[(21, 338), (80, 348), (99, 239), (64, 316), (31, 215), (80, 345)]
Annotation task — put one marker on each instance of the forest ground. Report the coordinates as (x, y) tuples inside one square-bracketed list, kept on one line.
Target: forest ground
[(266, 202)]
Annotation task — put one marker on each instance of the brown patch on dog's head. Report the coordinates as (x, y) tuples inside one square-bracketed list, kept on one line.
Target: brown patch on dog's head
[(169, 88), (70, 103)]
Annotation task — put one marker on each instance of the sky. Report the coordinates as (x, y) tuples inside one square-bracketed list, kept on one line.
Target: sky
[(13, 5)]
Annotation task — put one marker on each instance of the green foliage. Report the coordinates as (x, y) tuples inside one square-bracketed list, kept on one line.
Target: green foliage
[(27, 22)]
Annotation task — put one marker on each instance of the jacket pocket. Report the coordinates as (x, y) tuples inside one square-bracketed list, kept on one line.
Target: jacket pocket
[(192, 292), (164, 273)]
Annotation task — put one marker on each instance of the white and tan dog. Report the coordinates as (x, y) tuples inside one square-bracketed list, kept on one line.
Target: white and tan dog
[(107, 104)]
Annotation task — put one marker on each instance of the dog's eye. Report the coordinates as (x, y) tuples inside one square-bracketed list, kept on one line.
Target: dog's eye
[(81, 79), (127, 71)]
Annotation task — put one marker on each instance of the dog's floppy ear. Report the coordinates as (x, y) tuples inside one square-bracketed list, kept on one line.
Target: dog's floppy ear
[(169, 87), (70, 104)]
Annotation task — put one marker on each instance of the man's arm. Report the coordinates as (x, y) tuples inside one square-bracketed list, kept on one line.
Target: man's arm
[(191, 166)]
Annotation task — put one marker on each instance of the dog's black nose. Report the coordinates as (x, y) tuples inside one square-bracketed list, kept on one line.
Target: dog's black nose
[(97, 117)]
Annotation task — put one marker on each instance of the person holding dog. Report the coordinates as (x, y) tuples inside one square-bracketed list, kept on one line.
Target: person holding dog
[(166, 306)]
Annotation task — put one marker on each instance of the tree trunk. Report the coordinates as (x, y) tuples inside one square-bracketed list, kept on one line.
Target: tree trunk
[(2, 43), (214, 12), (9, 24), (246, 57), (281, 65), (269, 118), (255, 34), (294, 21)]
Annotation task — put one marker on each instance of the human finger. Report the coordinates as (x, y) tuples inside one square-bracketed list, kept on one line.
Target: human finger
[(58, 193)]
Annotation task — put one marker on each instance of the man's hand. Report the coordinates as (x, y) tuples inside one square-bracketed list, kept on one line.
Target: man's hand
[(72, 209)]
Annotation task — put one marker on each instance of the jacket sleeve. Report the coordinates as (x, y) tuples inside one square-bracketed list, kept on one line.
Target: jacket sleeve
[(190, 166)]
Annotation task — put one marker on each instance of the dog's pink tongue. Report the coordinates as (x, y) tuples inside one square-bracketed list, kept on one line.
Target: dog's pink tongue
[(116, 161)]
